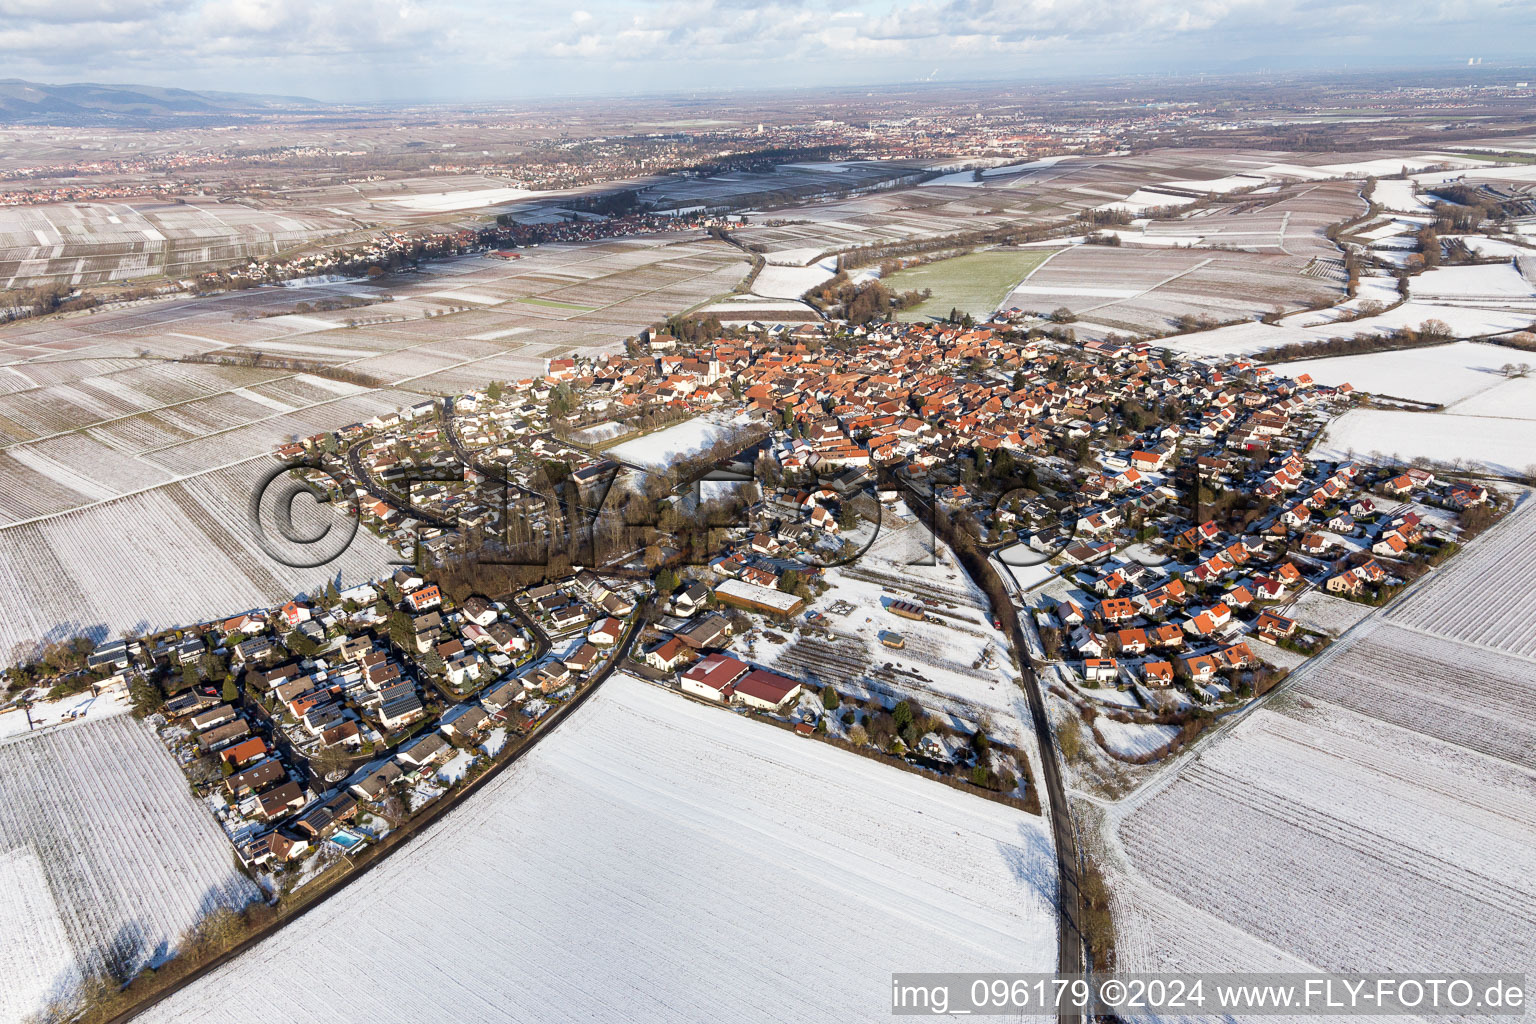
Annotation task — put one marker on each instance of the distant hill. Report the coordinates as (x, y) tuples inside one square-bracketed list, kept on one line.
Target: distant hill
[(84, 101)]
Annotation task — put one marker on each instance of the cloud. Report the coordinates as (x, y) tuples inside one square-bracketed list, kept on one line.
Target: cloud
[(541, 45)]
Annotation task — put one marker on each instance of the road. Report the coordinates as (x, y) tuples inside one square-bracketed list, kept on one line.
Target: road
[(1070, 944)]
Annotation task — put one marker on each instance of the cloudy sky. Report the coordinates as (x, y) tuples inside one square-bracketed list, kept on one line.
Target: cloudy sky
[(361, 50)]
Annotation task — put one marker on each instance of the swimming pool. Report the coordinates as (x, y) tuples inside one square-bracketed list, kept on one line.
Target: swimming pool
[(347, 840)]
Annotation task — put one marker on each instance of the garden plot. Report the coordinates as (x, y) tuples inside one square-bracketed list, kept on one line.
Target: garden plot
[(679, 851), (105, 857), (1131, 739), (958, 665)]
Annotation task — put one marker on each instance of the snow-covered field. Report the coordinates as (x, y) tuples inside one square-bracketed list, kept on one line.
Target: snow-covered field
[(104, 857), (659, 860), (1502, 445), (779, 282), (1320, 610), (664, 447), (75, 709), (1378, 814), (1442, 374), (1483, 595), (1480, 281), (1397, 194), (1129, 739), (440, 202), (173, 555)]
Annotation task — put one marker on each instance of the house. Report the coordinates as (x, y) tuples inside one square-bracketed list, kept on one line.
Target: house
[(1157, 673), (1399, 485), (1133, 641), (714, 678), (1390, 545), (711, 631), (501, 696), (224, 735), (1315, 544), (401, 711), (294, 614), (1117, 609), (606, 633), (479, 611), (275, 802), (670, 654), (1238, 655), (425, 598), (690, 599), (1463, 495), (1167, 635), (424, 751), (506, 638), (581, 659), (1201, 667), (1345, 583), (1208, 621), (255, 779), (347, 734), (376, 784), (766, 690), (467, 725), (212, 717), (569, 616), (1274, 627), (327, 816), (1101, 670), (1087, 643), (244, 753)]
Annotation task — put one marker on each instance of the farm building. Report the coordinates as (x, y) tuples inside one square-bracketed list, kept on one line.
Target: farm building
[(766, 690), (908, 610), (714, 677), (758, 599)]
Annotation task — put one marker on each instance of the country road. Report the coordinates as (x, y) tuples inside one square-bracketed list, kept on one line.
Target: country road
[(1070, 944)]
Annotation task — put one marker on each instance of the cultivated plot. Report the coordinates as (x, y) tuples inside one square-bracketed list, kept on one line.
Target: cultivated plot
[(105, 859)]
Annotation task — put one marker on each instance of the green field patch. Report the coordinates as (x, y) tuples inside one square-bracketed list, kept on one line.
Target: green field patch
[(975, 283)]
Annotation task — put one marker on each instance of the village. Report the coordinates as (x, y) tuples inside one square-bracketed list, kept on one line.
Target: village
[(1156, 521)]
